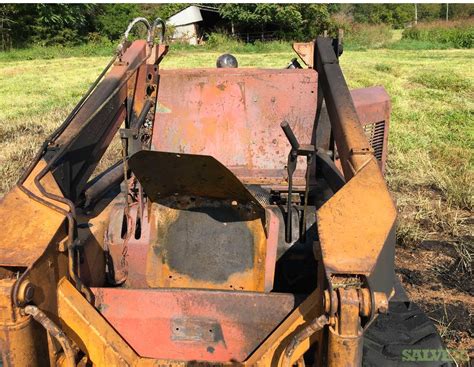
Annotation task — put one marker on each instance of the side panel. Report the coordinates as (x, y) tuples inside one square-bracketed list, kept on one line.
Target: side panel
[(373, 108)]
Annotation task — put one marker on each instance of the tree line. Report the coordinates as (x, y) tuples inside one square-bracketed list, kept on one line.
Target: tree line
[(68, 24)]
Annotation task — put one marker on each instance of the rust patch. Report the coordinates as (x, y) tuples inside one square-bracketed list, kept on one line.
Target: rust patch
[(210, 245)]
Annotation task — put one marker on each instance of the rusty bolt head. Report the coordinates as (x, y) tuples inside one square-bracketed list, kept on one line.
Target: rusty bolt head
[(365, 304), (330, 302), (62, 246), (381, 302), (26, 292), (383, 309), (327, 301)]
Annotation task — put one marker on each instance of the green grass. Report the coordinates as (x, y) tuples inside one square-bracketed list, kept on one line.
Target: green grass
[(431, 133), (456, 34), (216, 43), (363, 36), (415, 45), (57, 52), (436, 80)]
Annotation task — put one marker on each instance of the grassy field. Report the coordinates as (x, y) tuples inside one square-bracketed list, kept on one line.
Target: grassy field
[(430, 167)]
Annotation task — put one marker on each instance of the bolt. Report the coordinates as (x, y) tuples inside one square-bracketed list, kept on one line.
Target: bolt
[(26, 292), (330, 302), (364, 302), (62, 246), (381, 302), (327, 301)]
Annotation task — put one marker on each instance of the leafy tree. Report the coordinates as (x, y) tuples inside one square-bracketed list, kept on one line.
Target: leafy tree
[(242, 15), (114, 18), (23, 24), (61, 23), (290, 21), (48, 23), (402, 14), (59, 16), (457, 11), (334, 8), (7, 15), (396, 15), (316, 19), (428, 12), (302, 21)]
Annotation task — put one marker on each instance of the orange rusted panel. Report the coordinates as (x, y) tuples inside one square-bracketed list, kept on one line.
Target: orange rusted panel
[(23, 244), (372, 104), (234, 116), (355, 223), (193, 325), (105, 346), (305, 51), (154, 259)]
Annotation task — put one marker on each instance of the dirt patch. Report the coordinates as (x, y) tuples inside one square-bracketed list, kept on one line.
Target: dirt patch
[(434, 261)]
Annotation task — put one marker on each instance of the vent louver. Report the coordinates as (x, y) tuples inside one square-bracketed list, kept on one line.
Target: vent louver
[(375, 133)]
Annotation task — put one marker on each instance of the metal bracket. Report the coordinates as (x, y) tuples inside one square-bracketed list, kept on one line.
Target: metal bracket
[(369, 303)]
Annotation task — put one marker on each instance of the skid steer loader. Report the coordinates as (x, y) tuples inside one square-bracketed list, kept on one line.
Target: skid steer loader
[(247, 223)]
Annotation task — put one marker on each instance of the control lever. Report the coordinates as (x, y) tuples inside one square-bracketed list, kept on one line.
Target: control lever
[(307, 150)]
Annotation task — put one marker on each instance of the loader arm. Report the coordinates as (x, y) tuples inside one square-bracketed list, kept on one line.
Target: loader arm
[(74, 151), (357, 225)]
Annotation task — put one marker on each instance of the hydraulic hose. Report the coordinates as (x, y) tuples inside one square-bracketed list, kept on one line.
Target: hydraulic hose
[(55, 332), (313, 327)]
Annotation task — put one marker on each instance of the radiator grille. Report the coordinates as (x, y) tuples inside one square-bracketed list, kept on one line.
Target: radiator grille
[(375, 133)]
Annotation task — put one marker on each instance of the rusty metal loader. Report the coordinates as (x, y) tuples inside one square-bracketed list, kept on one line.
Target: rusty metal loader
[(247, 223)]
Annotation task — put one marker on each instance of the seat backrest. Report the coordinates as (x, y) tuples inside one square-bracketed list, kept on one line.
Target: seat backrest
[(234, 115)]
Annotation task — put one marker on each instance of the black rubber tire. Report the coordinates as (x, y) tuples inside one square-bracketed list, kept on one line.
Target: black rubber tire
[(405, 326)]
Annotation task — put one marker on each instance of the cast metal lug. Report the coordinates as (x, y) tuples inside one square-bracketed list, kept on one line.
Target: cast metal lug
[(26, 292)]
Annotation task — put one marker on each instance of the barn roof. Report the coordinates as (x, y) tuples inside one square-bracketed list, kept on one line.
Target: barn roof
[(189, 15)]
